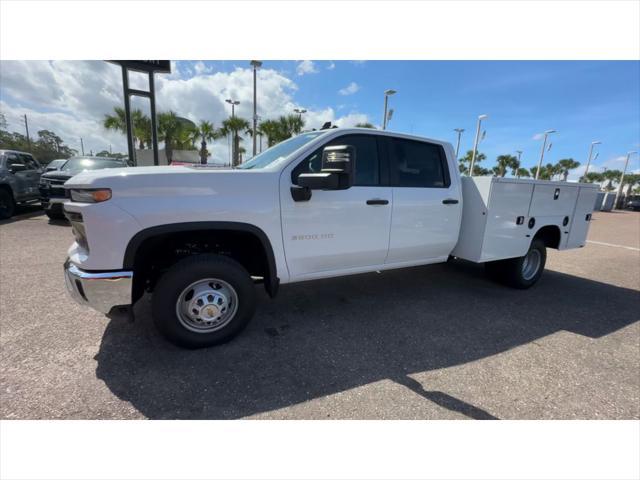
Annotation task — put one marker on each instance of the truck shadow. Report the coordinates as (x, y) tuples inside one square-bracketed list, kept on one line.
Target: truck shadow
[(323, 337)]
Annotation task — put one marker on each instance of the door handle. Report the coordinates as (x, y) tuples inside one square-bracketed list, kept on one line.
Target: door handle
[(377, 201), (450, 201)]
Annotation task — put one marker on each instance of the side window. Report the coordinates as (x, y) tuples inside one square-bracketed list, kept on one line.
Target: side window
[(418, 164), (367, 166), (12, 158), (29, 162)]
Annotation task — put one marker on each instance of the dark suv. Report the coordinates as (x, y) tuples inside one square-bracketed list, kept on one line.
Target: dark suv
[(19, 176), (52, 193)]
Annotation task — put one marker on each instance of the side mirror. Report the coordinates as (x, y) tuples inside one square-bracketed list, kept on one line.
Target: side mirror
[(340, 159), (17, 167)]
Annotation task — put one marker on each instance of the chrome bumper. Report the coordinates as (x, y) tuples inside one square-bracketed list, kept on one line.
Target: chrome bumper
[(101, 291)]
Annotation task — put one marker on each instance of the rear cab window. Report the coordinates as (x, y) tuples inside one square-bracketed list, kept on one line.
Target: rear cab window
[(418, 164)]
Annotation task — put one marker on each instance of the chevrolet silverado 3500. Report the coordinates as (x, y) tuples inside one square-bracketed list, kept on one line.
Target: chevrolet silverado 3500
[(322, 204)]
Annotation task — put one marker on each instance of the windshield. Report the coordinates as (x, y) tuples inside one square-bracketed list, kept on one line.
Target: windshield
[(280, 151), (92, 163)]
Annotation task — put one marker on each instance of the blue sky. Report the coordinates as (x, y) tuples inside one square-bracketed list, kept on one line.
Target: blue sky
[(582, 100)]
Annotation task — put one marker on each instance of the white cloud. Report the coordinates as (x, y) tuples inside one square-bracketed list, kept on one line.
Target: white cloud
[(538, 136), (350, 89), (331, 66), (72, 97), (306, 67)]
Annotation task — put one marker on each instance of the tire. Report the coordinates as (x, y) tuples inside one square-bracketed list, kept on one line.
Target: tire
[(55, 215), (523, 272), (7, 205), (218, 289)]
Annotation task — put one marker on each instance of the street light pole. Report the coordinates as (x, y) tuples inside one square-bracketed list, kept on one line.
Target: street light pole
[(589, 159), (255, 64), (475, 144), (300, 111), (459, 130), (387, 94), (544, 147), (626, 164), (233, 104)]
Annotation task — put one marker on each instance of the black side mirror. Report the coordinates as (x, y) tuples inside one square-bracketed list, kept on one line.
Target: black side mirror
[(17, 167), (336, 173)]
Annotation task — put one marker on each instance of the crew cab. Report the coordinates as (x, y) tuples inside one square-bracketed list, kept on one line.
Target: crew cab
[(322, 204)]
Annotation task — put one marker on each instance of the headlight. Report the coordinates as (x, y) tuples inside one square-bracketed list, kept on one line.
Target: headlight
[(91, 196)]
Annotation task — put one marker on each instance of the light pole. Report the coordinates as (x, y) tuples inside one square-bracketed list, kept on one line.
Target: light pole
[(300, 111), (255, 64), (544, 147), (233, 104), (387, 94), (459, 130), (626, 164), (597, 142), (475, 144)]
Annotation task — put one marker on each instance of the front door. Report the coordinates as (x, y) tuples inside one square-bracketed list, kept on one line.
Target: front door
[(339, 230)]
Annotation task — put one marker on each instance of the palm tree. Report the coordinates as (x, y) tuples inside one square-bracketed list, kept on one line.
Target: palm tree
[(593, 177), (364, 125), (522, 172), (565, 165), (233, 125), (505, 162), (175, 132), (271, 129), (611, 175), (466, 161), (291, 124), (141, 125), (205, 131)]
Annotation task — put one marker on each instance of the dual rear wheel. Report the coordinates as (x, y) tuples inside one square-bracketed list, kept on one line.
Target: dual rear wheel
[(522, 272)]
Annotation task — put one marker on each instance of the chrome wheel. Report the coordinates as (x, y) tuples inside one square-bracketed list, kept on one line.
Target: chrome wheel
[(207, 305), (531, 264)]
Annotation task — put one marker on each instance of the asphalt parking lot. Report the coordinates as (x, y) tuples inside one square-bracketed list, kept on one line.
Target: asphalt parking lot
[(438, 342)]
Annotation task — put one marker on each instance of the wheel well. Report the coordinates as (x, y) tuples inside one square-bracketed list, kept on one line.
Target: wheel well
[(152, 253), (550, 235), (8, 188)]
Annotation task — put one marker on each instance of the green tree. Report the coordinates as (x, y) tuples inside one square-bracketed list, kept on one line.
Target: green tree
[(565, 166), (504, 163), (465, 162), (522, 172), (207, 133), (630, 180), (593, 177), (271, 129), (141, 125), (364, 125), (231, 126), (611, 176)]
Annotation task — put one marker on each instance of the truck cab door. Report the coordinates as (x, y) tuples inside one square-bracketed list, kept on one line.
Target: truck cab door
[(427, 202), (22, 184), (339, 231)]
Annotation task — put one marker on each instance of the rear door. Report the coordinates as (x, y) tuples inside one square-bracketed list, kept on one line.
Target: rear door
[(427, 203), (338, 230), (33, 173), (23, 189)]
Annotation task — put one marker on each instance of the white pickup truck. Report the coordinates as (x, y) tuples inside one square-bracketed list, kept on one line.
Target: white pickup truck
[(322, 204)]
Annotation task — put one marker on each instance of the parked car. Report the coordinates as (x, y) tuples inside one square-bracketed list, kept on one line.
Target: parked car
[(634, 204), (19, 176), (319, 205), (52, 193), (54, 165)]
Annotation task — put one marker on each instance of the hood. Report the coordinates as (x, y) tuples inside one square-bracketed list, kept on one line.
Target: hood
[(58, 175)]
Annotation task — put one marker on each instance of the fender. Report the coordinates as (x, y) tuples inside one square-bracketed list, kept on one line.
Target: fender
[(271, 280)]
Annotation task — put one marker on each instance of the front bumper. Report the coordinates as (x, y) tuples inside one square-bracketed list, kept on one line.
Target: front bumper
[(101, 291)]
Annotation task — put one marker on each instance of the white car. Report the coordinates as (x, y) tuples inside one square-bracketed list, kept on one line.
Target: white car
[(322, 204)]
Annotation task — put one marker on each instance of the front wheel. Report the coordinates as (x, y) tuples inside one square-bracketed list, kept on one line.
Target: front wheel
[(522, 272), (203, 300)]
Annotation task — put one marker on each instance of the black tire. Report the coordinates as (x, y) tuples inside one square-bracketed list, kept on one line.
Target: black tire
[(513, 272), (180, 276), (7, 205), (55, 215)]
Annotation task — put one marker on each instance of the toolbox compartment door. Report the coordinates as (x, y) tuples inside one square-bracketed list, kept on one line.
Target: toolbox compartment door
[(551, 200), (582, 217)]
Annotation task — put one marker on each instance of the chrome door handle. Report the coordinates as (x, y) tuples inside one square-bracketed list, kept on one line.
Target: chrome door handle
[(377, 201)]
